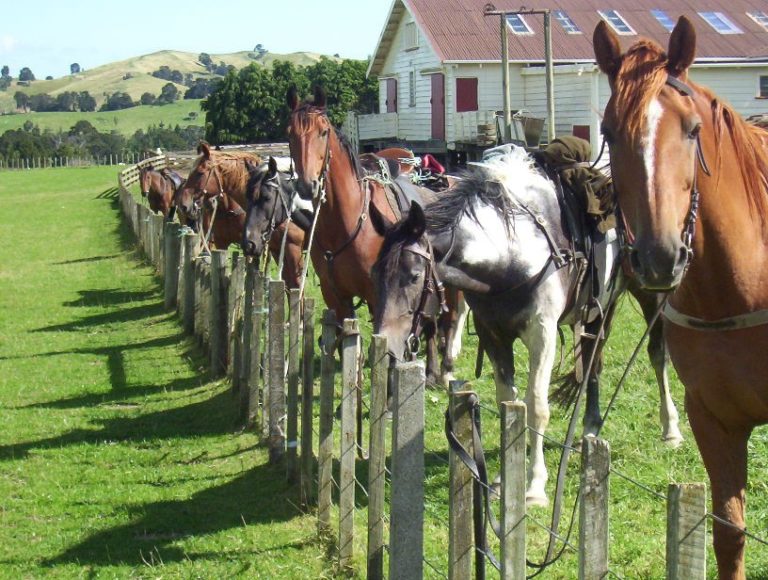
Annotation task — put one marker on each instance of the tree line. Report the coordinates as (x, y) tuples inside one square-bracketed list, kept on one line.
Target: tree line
[(249, 106), (84, 140)]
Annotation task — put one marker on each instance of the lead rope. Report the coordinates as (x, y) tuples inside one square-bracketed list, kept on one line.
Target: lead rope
[(205, 239)]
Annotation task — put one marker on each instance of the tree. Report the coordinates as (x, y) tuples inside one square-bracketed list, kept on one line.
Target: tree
[(117, 101), (22, 100), (200, 89), (43, 103), (205, 59), (148, 99), (74, 68), (66, 101), (5, 71), (25, 74), (168, 94), (5, 82), (85, 102)]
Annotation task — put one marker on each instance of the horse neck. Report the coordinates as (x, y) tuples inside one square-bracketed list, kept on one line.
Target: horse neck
[(730, 264), (344, 194), (232, 183)]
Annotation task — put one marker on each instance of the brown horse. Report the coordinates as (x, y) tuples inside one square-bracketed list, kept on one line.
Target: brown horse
[(346, 244), (692, 179), (159, 188)]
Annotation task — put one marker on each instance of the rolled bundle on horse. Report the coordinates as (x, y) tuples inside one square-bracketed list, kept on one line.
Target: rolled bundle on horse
[(692, 182), (501, 235)]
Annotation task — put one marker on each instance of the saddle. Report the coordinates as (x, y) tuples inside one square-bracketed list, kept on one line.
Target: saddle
[(175, 178)]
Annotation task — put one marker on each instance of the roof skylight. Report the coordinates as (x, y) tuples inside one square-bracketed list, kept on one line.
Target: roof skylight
[(565, 21), (720, 22), (518, 25), (663, 19), (616, 21)]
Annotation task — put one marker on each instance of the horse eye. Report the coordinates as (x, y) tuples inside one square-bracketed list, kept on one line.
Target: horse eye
[(324, 133), (694, 133)]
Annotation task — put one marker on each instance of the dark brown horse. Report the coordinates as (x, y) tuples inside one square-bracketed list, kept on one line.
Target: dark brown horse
[(692, 183), (159, 188)]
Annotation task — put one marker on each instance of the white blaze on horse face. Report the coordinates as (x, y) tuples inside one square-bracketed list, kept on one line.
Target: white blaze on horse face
[(653, 118)]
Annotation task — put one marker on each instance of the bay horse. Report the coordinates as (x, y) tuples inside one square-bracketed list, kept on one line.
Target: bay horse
[(346, 244), (159, 188), (691, 178), (500, 236)]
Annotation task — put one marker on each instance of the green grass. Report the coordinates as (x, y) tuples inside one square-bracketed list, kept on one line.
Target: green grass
[(126, 121), (119, 457)]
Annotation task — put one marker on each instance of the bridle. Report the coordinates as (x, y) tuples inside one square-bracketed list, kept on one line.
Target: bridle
[(432, 290)]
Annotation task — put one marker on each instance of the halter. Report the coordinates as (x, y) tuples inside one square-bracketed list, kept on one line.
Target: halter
[(433, 287)]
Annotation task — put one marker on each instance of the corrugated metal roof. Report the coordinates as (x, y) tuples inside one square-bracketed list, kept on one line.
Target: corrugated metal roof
[(458, 30)]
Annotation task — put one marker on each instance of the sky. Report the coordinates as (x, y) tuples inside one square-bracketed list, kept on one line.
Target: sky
[(49, 35)]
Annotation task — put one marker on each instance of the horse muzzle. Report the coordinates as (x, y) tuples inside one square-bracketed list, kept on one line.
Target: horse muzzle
[(658, 266)]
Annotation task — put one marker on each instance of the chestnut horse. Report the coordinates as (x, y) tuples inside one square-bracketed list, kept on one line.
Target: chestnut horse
[(159, 188), (346, 244), (692, 179)]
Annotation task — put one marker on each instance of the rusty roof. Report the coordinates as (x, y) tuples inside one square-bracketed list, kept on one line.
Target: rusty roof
[(458, 30)]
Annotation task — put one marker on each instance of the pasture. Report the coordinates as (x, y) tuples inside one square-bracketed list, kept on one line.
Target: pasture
[(126, 121), (119, 458)]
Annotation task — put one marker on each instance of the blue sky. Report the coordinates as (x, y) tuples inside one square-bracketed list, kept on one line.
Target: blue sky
[(49, 35)]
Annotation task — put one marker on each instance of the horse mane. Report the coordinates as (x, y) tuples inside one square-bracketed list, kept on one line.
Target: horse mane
[(642, 76)]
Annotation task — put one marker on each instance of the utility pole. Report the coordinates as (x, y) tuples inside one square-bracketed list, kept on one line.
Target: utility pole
[(490, 10)]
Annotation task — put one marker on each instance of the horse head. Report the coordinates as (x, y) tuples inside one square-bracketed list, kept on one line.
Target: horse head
[(145, 179), (652, 126), (268, 202), (309, 137), (203, 177), (406, 283)]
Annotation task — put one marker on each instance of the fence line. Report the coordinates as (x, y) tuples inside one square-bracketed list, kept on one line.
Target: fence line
[(225, 306)]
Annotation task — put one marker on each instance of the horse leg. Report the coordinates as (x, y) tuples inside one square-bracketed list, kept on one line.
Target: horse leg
[(659, 357), (430, 332), (724, 453), (452, 324), (541, 340)]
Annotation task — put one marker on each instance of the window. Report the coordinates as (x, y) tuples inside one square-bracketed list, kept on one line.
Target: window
[(411, 36), (763, 87), (663, 19), (466, 95), (760, 17), (565, 21), (518, 25), (616, 21), (720, 22), (411, 88)]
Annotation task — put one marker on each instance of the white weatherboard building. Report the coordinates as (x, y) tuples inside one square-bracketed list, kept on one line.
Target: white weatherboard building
[(438, 63)]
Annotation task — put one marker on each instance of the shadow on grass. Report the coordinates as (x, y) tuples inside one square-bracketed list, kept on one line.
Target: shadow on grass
[(111, 297), (84, 260), (113, 317), (257, 496)]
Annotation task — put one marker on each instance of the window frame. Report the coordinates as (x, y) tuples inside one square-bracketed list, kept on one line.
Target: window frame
[(656, 12), (720, 16), (762, 91), (528, 30), (412, 88), (569, 26), (411, 36), (607, 15), (760, 18)]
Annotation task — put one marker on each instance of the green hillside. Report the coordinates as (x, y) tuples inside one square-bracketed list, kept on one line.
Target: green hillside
[(134, 75), (125, 121)]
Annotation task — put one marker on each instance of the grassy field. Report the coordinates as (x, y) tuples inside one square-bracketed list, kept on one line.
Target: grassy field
[(120, 458), (125, 121)]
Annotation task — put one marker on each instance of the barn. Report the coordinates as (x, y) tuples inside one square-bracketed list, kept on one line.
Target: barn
[(438, 65)]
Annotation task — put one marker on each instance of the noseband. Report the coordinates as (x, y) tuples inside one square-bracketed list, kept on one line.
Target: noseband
[(433, 289)]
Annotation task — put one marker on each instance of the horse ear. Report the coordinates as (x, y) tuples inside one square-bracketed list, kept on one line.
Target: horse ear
[(416, 222), (292, 97), (379, 221), (682, 47), (319, 97), (272, 166), (204, 149), (607, 49)]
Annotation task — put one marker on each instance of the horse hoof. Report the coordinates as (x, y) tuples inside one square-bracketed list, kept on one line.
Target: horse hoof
[(536, 500), (673, 441)]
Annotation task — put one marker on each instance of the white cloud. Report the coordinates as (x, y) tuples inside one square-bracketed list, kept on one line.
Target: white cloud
[(7, 43)]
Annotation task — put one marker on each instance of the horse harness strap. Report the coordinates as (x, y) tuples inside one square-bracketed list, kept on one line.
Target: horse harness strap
[(738, 322), (432, 287)]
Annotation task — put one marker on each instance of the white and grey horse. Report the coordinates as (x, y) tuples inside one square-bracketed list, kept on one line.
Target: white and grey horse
[(500, 236)]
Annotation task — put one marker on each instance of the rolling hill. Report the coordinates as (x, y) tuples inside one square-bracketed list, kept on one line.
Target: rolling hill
[(134, 75)]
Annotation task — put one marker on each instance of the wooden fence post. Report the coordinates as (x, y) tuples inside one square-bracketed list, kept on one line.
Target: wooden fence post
[(294, 368), (593, 508), (218, 313), (235, 320), (460, 539), (513, 429), (377, 455), (256, 397), (307, 399), (276, 370), (325, 452), (246, 334), (687, 531), (407, 504), (172, 252), (350, 360), (188, 281), (158, 258)]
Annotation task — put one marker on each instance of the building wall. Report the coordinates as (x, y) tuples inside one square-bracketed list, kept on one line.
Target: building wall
[(414, 123)]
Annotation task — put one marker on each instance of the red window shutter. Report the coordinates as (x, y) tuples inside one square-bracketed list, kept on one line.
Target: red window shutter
[(466, 95), (391, 95), (581, 131)]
